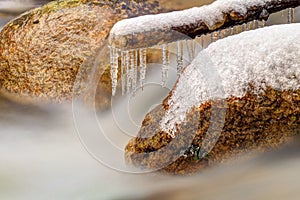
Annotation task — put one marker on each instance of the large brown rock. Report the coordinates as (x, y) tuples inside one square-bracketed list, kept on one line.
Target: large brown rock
[(242, 92), (42, 50), (252, 123)]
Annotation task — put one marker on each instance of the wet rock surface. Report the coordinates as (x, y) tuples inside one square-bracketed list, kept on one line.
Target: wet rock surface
[(254, 177), (252, 123), (42, 50)]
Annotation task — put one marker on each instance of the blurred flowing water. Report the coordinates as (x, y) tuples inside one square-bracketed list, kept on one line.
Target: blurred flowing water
[(11, 8), (42, 157)]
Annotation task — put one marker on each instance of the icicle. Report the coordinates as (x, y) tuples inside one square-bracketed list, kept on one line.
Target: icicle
[(212, 39), (192, 49), (236, 30), (194, 45), (111, 49), (135, 69), (262, 24), (220, 35), (131, 70), (229, 32), (291, 15), (255, 24), (225, 33), (252, 25), (244, 27), (128, 85), (248, 26), (232, 31), (123, 71), (202, 42), (165, 63), (143, 66), (180, 56), (114, 64)]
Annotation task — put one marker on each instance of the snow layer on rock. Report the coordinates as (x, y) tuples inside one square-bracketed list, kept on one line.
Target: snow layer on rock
[(268, 56), (210, 14)]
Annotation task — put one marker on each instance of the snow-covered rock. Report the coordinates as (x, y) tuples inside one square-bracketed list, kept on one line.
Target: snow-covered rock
[(239, 95), (264, 57)]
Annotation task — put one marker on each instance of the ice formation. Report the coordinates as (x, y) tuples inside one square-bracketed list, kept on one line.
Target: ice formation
[(114, 55), (291, 15), (133, 61), (268, 56), (180, 56), (165, 64), (143, 66)]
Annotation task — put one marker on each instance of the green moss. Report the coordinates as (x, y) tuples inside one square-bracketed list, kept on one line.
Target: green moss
[(294, 118), (59, 4)]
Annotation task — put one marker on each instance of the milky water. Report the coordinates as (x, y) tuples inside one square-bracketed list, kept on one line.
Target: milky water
[(42, 158)]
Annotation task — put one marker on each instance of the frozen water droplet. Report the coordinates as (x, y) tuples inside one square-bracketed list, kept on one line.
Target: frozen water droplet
[(143, 66), (230, 31), (123, 71), (179, 57), (165, 64), (114, 64), (291, 15), (214, 36)]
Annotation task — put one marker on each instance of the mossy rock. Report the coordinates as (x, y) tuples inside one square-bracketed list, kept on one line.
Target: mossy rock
[(42, 50)]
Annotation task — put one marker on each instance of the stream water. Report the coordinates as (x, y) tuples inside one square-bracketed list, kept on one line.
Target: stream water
[(43, 157)]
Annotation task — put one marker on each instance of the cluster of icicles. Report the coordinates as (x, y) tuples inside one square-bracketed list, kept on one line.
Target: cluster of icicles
[(134, 62)]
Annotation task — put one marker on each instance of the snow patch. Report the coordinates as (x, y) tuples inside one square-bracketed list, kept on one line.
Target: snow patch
[(268, 56), (210, 14)]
